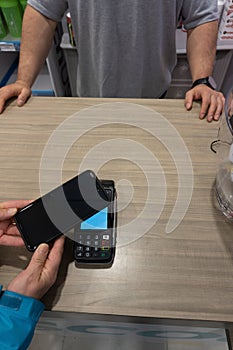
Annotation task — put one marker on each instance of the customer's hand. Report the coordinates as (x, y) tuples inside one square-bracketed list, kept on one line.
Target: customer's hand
[(212, 102), (19, 89), (41, 272), (9, 234)]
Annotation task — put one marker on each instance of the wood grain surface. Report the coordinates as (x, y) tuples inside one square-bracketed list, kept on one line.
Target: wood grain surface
[(184, 274)]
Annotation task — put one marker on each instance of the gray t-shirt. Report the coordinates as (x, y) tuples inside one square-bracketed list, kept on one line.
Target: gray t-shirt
[(126, 48)]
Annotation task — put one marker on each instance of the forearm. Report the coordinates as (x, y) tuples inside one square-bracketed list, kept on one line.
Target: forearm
[(201, 49), (37, 35)]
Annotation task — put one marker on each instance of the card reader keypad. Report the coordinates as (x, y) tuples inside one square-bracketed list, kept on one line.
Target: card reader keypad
[(93, 245)]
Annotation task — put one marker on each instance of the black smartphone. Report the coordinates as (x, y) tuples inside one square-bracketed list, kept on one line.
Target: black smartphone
[(61, 209), (95, 238)]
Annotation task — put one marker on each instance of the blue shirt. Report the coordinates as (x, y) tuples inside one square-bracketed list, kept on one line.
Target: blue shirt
[(18, 318)]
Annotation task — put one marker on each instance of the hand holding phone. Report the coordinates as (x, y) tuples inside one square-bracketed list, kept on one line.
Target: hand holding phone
[(61, 209)]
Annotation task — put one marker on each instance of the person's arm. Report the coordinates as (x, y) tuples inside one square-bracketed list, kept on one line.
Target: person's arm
[(19, 307), (18, 318), (37, 35), (201, 52)]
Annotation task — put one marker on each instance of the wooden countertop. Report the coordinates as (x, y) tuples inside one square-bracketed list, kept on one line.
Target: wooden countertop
[(185, 274)]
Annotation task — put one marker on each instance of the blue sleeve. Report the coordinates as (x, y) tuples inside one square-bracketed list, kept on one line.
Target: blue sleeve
[(18, 318)]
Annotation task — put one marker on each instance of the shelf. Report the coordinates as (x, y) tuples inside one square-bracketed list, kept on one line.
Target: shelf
[(8, 65), (56, 76), (9, 44), (8, 73), (42, 86)]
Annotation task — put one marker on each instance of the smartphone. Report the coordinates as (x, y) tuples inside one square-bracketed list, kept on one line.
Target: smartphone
[(61, 209), (95, 238)]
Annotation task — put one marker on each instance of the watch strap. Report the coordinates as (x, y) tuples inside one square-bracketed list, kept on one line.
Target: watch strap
[(205, 81)]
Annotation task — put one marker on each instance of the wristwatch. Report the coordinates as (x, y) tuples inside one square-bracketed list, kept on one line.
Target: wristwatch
[(209, 81)]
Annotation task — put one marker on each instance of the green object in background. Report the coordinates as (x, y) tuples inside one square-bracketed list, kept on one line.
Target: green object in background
[(3, 29), (23, 4), (13, 16)]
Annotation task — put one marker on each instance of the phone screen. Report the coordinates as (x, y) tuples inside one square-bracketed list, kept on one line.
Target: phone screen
[(61, 209)]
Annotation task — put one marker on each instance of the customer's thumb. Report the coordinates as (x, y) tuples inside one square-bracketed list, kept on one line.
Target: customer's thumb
[(40, 256)]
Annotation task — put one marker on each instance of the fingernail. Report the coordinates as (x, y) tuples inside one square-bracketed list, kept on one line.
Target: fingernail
[(43, 248), (11, 211)]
